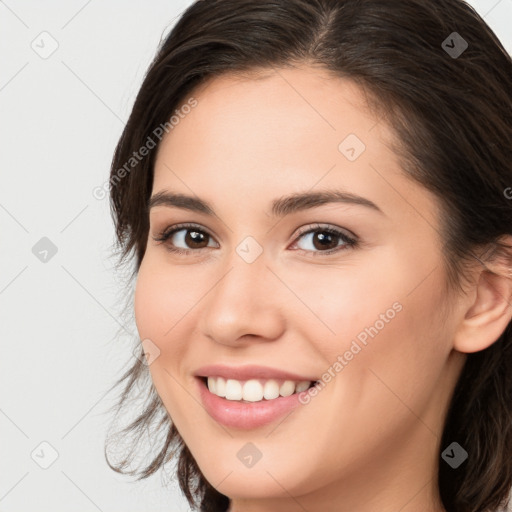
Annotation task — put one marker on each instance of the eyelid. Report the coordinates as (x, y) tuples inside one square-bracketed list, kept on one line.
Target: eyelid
[(328, 227), (166, 233), (350, 239)]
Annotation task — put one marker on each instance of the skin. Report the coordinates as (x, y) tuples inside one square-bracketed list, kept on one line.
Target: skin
[(368, 441)]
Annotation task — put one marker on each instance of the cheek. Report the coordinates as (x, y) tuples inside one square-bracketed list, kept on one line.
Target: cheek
[(162, 298), (162, 314), (351, 302), (393, 347), (148, 304), (385, 317)]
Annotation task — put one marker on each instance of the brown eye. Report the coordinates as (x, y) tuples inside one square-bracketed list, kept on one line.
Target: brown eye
[(325, 240), (189, 237), (194, 239)]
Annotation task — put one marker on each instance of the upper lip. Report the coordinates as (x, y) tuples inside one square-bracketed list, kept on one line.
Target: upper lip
[(249, 372)]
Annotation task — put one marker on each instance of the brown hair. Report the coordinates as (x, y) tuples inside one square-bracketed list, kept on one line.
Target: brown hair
[(452, 115)]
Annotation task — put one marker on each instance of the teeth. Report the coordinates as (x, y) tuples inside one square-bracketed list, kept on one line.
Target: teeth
[(212, 384), (220, 387), (233, 390), (302, 386), (287, 388), (271, 389), (254, 390)]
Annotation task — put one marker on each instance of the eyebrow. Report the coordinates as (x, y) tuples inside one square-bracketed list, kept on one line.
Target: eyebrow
[(280, 207)]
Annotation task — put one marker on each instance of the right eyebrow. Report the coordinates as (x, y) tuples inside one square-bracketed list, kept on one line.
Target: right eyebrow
[(180, 201)]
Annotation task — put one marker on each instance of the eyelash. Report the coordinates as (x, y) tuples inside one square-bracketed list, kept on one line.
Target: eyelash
[(349, 242)]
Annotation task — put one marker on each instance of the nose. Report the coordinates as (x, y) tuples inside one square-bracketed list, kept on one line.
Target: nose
[(246, 302)]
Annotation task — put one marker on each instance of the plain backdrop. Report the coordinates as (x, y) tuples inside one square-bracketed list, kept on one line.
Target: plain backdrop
[(68, 77)]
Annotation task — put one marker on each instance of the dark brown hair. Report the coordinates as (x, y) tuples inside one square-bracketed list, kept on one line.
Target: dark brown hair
[(452, 116)]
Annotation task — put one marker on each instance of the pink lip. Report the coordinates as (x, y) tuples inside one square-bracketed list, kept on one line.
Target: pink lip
[(249, 372), (244, 415)]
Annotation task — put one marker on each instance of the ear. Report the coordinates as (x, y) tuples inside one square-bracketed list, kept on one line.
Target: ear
[(489, 310)]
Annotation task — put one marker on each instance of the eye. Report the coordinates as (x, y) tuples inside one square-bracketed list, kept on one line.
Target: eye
[(325, 240), (191, 235)]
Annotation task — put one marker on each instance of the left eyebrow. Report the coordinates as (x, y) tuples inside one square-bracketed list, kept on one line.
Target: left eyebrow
[(302, 201), (280, 207)]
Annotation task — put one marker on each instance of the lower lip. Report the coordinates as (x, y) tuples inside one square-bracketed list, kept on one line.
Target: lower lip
[(232, 413)]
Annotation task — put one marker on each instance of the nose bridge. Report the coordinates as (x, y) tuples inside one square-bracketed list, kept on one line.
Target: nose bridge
[(242, 300), (244, 274)]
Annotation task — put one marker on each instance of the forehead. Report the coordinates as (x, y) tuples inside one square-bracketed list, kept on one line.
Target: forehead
[(297, 100), (284, 130)]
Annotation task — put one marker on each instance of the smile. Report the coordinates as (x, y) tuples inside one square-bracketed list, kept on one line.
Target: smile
[(255, 390), (249, 397)]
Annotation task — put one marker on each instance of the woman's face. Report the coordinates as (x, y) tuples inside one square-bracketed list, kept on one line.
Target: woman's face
[(259, 287)]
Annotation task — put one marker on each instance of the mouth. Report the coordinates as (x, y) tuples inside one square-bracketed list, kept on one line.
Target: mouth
[(254, 390), (269, 400), (251, 396)]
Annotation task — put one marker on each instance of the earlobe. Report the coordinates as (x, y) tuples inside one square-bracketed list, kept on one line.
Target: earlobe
[(489, 314)]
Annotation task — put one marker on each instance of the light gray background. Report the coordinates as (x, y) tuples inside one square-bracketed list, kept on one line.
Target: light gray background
[(61, 117)]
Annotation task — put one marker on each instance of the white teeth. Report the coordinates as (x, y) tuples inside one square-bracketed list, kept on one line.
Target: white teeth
[(271, 389), (254, 390), (220, 386), (233, 390), (287, 388), (212, 384)]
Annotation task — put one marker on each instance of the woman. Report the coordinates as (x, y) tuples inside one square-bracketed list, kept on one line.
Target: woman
[(315, 197)]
